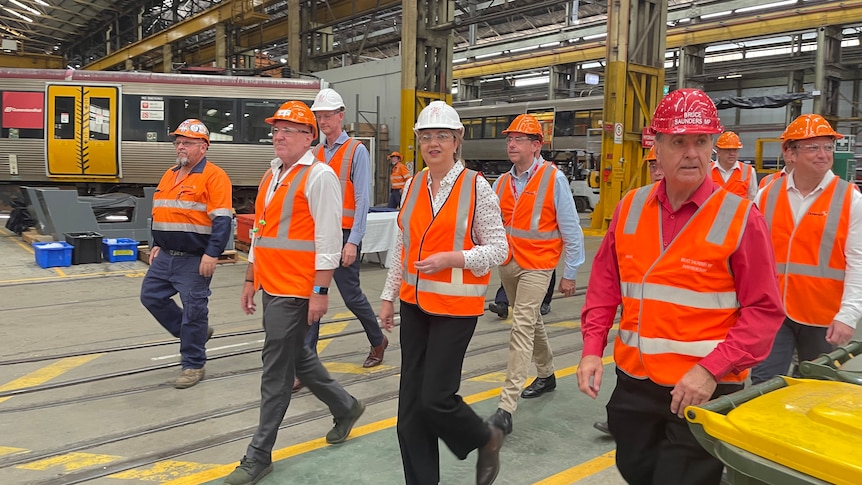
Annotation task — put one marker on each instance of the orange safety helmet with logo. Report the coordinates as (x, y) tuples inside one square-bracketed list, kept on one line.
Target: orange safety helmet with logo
[(652, 341), (296, 112), (729, 141), (807, 126), (192, 128), (527, 124)]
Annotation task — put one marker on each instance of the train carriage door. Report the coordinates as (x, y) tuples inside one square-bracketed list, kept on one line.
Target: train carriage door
[(82, 142)]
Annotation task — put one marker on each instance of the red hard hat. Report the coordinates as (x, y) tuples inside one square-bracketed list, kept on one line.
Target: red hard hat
[(686, 111), (728, 140), (297, 112), (527, 124)]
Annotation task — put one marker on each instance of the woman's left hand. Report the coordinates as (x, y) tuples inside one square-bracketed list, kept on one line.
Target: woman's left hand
[(434, 263)]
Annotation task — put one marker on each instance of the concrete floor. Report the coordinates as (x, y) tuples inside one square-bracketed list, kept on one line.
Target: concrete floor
[(113, 416)]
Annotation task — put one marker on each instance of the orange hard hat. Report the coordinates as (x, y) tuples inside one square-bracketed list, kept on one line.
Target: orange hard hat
[(651, 155), (192, 128), (395, 154), (527, 124), (808, 126), (728, 140), (686, 111), (297, 112)]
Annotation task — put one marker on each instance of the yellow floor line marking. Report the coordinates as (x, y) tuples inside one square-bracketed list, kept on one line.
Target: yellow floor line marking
[(348, 368), (8, 450), (46, 373), (29, 249), (123, 272), (329, 329), (70, 462), (357, 432), (59, 272), (565, 324), (164, 471), (581, 471), (493, 377)]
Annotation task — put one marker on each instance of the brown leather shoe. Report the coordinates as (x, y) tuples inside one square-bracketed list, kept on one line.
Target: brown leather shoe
[(296, 384), (488, 464), (375, 357)]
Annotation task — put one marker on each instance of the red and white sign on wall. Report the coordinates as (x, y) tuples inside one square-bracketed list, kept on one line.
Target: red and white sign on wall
[(23, 110), (647, 138)]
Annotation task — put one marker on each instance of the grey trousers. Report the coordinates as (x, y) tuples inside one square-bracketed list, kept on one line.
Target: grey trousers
[(285, 321)]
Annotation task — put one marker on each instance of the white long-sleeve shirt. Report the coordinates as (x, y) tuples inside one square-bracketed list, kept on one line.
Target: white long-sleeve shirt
[(851, 302), (488, 231), (323, 191)]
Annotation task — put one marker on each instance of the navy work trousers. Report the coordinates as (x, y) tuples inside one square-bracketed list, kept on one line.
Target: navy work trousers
[(167, 276), (347, 280), (394, 198), (807, 341)]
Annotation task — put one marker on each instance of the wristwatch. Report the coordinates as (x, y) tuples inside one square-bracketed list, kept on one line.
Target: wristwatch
[(321, 290)]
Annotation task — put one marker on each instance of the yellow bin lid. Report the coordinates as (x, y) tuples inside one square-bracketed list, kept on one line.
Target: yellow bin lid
[(811, 426)]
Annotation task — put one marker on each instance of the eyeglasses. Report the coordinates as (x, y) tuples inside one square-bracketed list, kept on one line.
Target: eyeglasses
[(183, 143), (518, 139), (326, 116), (439, 137), (288, 131), (815, 147)]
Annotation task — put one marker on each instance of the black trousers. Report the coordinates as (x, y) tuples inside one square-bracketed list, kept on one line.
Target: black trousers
[(655, 446), (429, 407)]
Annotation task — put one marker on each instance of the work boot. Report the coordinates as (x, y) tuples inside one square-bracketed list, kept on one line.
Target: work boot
[(501, 310), (343, 426), (249, 472), (189, 377)]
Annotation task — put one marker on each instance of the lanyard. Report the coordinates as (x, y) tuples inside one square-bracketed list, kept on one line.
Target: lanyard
[(530, 174)]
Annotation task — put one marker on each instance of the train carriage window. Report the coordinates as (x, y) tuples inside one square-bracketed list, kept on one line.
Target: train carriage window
[(564, 122), (494, 126), (64, 114), (181, 109), (144, 118), (217, 115), (472, 128), (100, 118), (255, 129)]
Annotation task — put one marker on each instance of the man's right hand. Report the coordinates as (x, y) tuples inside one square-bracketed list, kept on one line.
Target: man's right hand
[(153, 254), (589, 374), (247, 298)]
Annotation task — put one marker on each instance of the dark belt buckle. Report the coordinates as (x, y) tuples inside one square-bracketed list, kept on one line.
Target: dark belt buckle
[(177, 253)]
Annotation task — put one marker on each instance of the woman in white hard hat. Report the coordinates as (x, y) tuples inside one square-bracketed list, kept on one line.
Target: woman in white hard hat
[(451, 236)]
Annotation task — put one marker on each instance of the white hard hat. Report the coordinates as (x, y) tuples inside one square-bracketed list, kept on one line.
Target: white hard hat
[(438, 115), (327, 100)]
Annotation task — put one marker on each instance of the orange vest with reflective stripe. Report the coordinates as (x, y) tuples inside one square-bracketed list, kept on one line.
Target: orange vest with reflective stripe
[(452, 291), (531, 220), (186, 206), (678, 304), (284, 255), (399, 176), (739, 181), (342, 163), (810, 256), (770, 178)]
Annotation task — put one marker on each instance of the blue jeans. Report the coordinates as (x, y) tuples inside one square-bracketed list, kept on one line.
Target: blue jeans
[(167, 276), (347, 280)]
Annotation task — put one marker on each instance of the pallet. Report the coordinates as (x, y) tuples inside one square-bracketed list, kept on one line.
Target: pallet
[(229, 256), (242, 246), (32, 236)]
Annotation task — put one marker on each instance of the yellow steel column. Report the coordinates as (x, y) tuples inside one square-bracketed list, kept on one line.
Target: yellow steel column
[(426, 65), (220, 46), (294, 41), (634, 79)]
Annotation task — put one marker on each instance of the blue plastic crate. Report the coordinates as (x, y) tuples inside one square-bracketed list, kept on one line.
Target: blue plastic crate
[(53, 254), (119, 249)]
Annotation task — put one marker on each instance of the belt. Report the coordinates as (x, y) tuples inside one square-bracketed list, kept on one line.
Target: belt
[(181, 253)]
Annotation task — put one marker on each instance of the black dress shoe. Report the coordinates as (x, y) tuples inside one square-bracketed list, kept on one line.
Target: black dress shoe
[(501, 310), (502, 419), (488, 464), (545, 308), (602, 426), (540, 386)]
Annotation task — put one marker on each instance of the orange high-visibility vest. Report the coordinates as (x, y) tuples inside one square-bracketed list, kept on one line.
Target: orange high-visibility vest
[(452, 291), (809, 257), (770, 178), (284, 254), (187, 205), (680, 302), (739, 181), (342, 163), (531, 220), (399, 176)]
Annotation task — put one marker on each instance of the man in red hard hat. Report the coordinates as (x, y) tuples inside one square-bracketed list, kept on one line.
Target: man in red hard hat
[(692, 267), (728, 172), (191, 226), (815, 219)]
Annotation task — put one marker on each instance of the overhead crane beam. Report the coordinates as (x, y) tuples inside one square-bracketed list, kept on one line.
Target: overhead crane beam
[(32, 61), (708, 32)]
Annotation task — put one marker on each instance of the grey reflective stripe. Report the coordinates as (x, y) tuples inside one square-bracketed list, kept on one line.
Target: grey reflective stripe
[(678, 296), (282, 239), (347, 213), (652, 346), (464, 209), (182, 227), (744, 171), (456, 288), (416, 187), (724, 218), (545, 184), (502, 183), (180, 204), (346, 157), (775, 189), (810, 270), (636, 209), (221, 213)]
